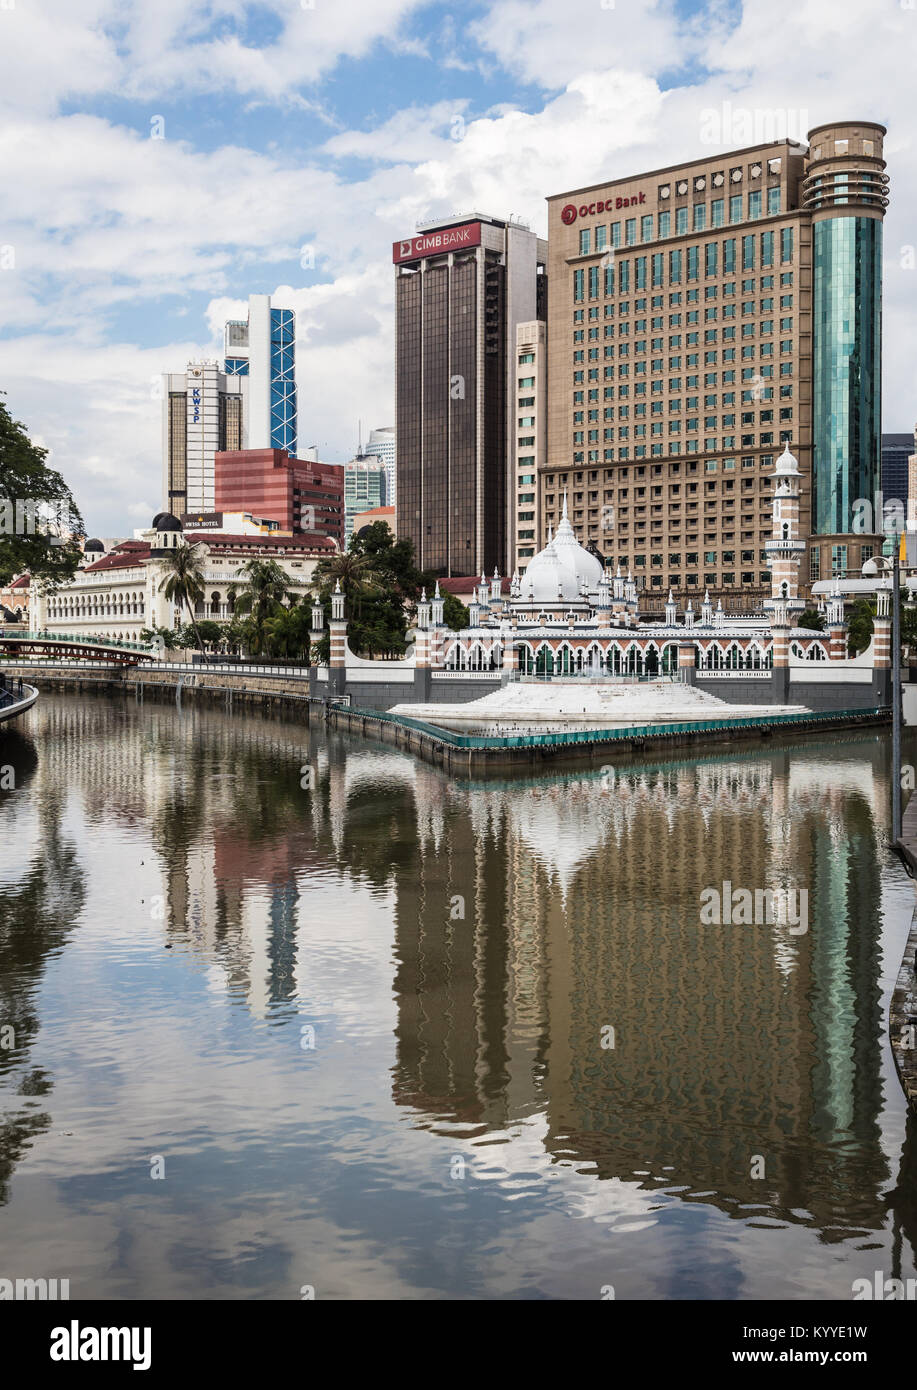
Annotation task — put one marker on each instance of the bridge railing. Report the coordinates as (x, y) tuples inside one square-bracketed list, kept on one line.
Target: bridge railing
[(77, 639)]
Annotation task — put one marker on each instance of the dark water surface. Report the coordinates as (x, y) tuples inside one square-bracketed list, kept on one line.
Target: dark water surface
[(372, 1060)]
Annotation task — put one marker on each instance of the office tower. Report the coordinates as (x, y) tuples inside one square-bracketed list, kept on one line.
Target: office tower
[(530, 436), (203, 412), (247, 402), (381, 444), (263, 348), (702, 316), (364, 489), (303, 495), (462, 286), (896, 451)]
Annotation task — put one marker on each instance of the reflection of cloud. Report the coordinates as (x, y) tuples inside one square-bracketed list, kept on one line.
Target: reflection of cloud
[(562, 826)]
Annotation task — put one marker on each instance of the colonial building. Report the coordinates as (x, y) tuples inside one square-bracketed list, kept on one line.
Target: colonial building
[(119, 594)]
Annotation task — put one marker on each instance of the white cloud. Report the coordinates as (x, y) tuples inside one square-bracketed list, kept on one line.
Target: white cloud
[(110, 219)]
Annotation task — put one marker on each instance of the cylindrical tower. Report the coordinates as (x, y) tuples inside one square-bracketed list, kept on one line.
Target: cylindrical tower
[(846, 190)]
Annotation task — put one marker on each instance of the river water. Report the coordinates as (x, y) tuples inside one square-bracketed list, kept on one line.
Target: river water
[(289, 1011)]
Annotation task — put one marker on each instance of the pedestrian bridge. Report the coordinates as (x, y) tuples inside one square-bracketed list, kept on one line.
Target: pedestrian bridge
[(31, 645)]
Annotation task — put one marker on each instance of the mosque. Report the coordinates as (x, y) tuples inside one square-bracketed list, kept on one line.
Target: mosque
[(567, 616)]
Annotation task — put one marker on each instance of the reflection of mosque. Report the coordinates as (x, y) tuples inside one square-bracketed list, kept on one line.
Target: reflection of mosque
[(583, 913), (529, 916)]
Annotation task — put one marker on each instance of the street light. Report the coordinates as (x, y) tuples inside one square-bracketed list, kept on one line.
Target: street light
[(871, 569)]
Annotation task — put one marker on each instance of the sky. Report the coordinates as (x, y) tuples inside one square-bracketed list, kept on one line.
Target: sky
[(161, 161)]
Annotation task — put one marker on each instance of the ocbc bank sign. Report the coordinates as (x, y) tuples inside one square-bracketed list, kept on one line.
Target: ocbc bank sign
[(570, 211)]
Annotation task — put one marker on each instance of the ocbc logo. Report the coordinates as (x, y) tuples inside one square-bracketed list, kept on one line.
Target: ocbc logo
[(568, 215)]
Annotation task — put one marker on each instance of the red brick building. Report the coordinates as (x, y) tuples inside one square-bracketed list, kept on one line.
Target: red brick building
[(299, 494)]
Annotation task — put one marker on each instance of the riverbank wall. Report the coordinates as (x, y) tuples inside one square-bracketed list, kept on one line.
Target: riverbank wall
[(459, 753)]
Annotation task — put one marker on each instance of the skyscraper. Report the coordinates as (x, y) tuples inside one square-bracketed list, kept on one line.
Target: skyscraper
[(247, 402), (702, 316), (462, 286), (263, 348), (381, 443)]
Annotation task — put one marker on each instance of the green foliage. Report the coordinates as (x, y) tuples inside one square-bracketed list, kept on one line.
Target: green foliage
[(860, 626), (262, 599), (380, 582), (455, 614), (183, 582), (811, 618), (32, 497)]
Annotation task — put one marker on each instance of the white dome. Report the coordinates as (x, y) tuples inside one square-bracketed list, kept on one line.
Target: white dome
[(563, 564)]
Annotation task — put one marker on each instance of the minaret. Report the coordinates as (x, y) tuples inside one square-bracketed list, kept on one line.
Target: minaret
[(706, 610), (670, 610), (785, 549)]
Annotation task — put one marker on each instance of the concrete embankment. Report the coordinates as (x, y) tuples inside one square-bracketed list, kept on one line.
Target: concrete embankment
[(231, 688)]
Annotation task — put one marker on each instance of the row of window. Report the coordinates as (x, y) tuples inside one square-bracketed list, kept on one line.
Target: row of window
[(659, 226), (613, 274)]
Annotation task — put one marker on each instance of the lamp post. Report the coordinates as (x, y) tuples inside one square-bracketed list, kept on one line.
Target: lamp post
[(896, 696), (872, 568)]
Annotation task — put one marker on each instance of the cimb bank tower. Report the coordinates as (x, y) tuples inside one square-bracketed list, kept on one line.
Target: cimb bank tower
[(688, 322)]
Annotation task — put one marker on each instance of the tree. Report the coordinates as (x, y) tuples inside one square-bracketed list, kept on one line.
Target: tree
[(455, 614), (40, 524), (210, 632), (859, 627), (811, 618), (183, 582), (265, 591)]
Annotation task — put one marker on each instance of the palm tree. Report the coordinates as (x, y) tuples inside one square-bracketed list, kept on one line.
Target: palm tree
[(355, 573), (266, 589), (184, 582)]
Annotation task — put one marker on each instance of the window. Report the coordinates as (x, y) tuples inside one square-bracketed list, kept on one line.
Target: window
[(814, 564), (584, 239), (786, 244), (729, 262), (579, 291), (600, 238), (735, 208), (646, 228), (665, 224), (748, 253), (754, 204), (773, 200), (700, 217), (630, 231), (717, 212)]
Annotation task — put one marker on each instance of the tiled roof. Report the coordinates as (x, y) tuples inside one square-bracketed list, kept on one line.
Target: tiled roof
[(306, 540)]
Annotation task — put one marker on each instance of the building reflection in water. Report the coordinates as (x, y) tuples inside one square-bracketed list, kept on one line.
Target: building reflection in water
[(530, 916), (729, 1041)]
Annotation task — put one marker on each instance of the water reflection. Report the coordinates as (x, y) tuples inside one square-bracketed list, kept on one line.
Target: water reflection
[(516, 923)]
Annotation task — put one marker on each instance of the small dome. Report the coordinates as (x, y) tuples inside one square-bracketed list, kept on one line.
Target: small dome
[(787, 464), (93, 544), (165, 521)]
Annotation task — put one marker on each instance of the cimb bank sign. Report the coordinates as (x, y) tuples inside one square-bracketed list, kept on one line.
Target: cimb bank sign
[(437, 243)]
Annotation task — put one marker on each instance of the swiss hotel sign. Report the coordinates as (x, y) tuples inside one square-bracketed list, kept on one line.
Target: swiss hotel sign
[(437, 243)]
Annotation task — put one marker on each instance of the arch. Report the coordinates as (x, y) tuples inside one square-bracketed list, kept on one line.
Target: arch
[(544, 660)]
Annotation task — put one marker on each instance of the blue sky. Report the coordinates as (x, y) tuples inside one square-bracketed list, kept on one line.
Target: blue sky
[(335, 126)]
